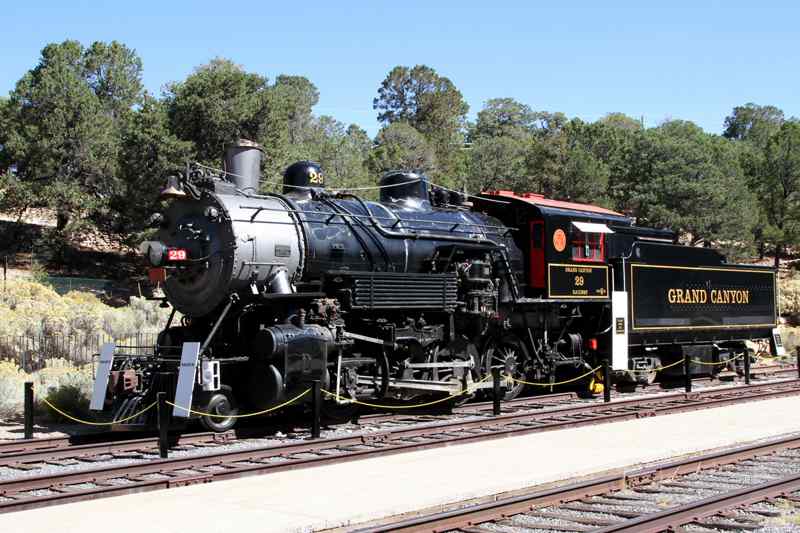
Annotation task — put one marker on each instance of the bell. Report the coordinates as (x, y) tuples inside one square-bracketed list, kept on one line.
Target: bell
[(173, 188)]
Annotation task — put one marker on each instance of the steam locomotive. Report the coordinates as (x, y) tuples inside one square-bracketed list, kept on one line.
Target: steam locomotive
[(416, 296)]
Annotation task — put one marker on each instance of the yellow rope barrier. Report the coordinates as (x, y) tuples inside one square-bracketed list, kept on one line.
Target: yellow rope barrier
[(390, 407), (592, 371), (265, 411), (676, 363), (718, 362), (86, 422), (368, 404)]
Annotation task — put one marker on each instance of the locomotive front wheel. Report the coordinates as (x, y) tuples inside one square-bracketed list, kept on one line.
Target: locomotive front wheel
[(220, 404)]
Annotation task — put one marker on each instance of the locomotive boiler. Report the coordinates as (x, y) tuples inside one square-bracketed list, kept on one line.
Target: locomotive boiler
[(418, 295)]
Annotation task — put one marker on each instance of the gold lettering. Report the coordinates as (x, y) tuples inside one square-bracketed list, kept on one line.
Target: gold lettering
[(702, 296), (730, 296)]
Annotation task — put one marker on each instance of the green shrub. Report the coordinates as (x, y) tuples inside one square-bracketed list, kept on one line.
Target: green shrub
[(70, 399), (65, 385), (789, 289), (790, 336), (12, 379)]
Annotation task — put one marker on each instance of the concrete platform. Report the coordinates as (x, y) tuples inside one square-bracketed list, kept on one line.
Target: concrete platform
[(354, 492)]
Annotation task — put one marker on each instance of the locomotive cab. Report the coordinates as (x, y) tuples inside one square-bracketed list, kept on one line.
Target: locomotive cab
[(561, 239)]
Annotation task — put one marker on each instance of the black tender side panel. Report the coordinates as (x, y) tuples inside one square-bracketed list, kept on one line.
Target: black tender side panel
[(668, 297)]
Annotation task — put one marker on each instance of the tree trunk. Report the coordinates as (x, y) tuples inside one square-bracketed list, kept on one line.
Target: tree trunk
[(778, 252), (62, 219)]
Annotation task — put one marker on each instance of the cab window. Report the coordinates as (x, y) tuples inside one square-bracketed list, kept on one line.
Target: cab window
[(587, 246)]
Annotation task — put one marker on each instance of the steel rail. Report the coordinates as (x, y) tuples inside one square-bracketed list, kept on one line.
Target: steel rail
[(472, 515), (30, 451), (26, 445), (38, 491), (694, 511)]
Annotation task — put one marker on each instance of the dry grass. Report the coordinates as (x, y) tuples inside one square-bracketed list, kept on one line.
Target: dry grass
[(35, 312), (30, 308)]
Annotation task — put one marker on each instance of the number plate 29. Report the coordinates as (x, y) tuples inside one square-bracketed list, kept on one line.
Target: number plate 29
[(176, 254)]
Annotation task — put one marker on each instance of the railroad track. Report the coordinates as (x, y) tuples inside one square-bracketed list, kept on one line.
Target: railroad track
[(33, 454), (735, 490), (60, 451), (32, 491), (22, 454)]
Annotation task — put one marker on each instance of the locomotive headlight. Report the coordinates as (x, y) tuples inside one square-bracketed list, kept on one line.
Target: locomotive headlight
[(154, 251), (212, 213)]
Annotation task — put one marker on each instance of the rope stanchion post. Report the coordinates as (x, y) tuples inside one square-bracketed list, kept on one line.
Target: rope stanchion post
[(798, 361), (746, 368), (495, 391), (163, 425), (317, 406), (687, 375), (606, 382), (28, 410)]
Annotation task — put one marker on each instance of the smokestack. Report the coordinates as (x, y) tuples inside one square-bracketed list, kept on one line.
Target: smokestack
[(243, 163)]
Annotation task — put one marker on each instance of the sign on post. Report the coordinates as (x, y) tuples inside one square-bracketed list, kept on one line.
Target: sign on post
[(187, 375), (102, 375)]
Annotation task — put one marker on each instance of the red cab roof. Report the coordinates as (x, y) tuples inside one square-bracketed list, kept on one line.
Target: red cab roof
[(540, 200)]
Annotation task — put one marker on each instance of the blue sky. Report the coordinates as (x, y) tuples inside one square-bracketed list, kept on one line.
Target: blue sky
[(691, 60)]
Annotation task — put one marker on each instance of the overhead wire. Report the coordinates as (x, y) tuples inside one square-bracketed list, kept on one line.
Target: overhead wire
[(306, 187), (345, 189)]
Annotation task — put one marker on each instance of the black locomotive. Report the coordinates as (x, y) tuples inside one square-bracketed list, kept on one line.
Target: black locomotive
[(418, 295)]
